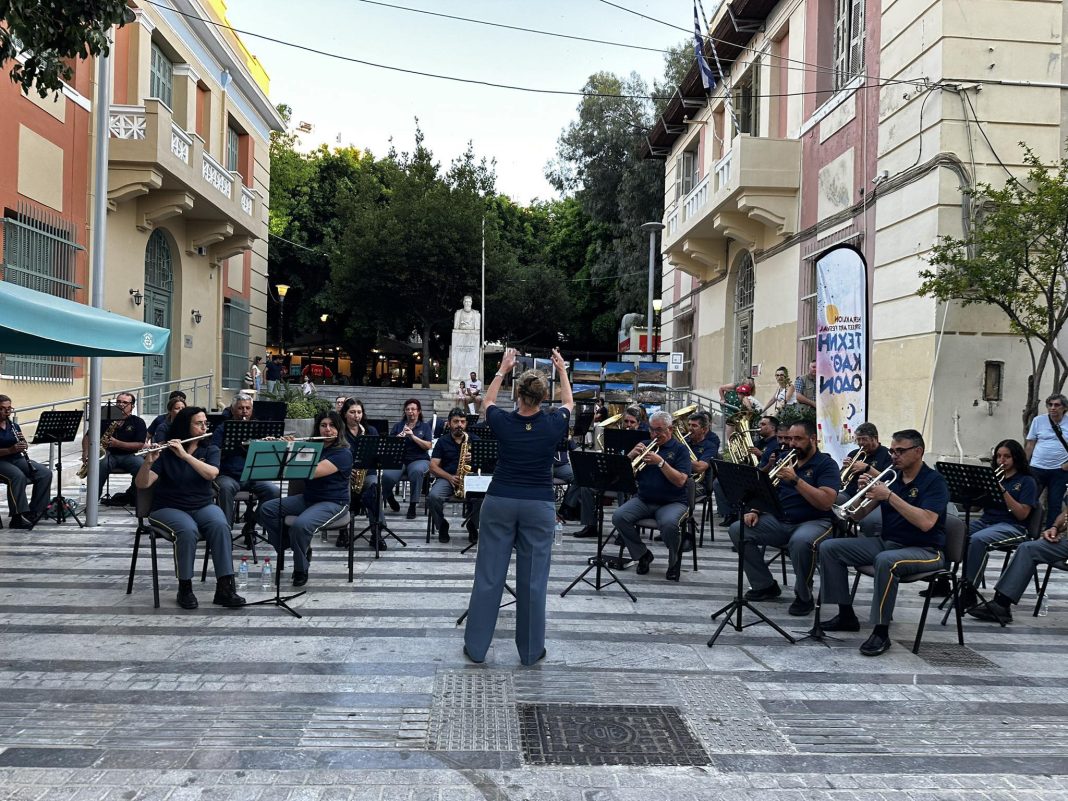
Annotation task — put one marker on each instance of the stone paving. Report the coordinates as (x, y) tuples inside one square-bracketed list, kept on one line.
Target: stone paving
[(368, 696)]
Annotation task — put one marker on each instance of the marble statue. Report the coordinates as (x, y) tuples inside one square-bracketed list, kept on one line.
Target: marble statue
[(467, 319), (465, 350)]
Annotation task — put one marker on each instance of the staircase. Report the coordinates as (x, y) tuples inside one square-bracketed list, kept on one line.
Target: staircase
[(386, 403)]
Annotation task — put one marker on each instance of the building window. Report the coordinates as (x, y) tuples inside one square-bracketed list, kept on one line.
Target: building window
[(40, 253), (235, 343), (682, 341), (743, 317), (992, 374), (161, 81), (806, 316), (747, 101), (233, 143), (848, 41), (685, 173)]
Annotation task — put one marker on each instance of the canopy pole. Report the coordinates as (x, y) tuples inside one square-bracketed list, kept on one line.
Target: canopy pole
[(102, 133)]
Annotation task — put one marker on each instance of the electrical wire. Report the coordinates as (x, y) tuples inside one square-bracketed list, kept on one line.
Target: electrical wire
[(990, 144), (294, 244)]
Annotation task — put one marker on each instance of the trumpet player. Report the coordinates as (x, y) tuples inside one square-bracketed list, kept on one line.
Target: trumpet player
[(913, 540), (869, 458), (126, 436), (233, 463), (20, 471), (663, 468), (445, 467), (807, 486)]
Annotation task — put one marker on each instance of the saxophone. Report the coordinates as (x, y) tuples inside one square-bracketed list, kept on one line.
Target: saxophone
[(357, 478), (105, 441), (463, 468)]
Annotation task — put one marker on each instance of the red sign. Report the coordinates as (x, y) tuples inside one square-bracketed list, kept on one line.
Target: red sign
[(317, 371)]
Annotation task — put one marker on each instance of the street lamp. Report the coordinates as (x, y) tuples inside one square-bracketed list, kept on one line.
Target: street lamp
[(658, 304), (651, 228), (322, 319), (282, 289)]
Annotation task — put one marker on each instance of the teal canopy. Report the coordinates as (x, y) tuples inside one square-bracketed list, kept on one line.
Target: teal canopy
[(38, 324)]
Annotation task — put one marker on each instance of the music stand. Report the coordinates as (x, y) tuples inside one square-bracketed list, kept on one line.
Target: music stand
[(364, 450), (269, 410), (620, 440), (280, 461), (57, 428), (381, 426), (745, 488), (970, 485), (388, 455), (215, 419), (602, 472), (237, 434), (109, 413), (484, 453), (583, 423)]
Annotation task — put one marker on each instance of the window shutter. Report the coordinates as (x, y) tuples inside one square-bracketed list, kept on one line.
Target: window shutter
[(856, 38), (841, 42)]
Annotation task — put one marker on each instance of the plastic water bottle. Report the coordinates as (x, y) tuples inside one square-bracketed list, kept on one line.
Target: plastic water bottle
[(242, 573), (265, 574), (558, 538), (1044, 609)]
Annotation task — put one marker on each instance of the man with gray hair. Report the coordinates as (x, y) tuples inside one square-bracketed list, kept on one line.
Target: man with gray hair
[(663, 470), (231, 465), (1047, 453)]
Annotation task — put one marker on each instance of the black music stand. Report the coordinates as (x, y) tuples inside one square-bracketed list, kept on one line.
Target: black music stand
[(214, 420), (484, 453), (745, 488), (236, 436), (602, 472), (269, 410), (109, 413), (621, 440), (57, 428), (816, 633), (583, 423), (381, 426), (388, 455), (970, 485), (364, 450), (281, 461)]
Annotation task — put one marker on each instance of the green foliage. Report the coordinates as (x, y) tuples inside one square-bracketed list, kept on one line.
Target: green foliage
[(50, 34), (1014, 258), (795, 413), (306, 408)]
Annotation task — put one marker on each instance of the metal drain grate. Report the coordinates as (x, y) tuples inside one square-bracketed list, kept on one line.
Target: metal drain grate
[(583, 734), (474, 710), (949, 655)]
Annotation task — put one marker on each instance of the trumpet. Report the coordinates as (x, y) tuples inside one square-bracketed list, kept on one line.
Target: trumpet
[(789, 460), (684, 439), (637, 465), (858, 503), (854, 468), (164, 445)]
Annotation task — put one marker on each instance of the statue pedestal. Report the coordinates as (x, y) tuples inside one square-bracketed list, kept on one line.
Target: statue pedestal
[(465, 357)]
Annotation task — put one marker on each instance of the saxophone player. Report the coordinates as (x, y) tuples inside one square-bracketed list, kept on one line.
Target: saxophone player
[(352, 416), (124, 437), (19, 470), (445, 467)]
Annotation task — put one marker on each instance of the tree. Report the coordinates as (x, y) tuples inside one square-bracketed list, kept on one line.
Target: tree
[(49, 34), (1015, 257)]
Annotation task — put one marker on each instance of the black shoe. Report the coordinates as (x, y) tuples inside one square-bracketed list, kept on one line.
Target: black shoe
[(342, 540), (443, 532), (643, 563), (968, 598), (308, 554), (838, 623), (586, 532), (381, 543), (391, 502), (938, 588), (300, 578), (18, 521), (472, 532), (766, 594), (801, 608), (411, 512), (226, 593), (675, 571), (728, 520), (471, 658), (992, 612), (875, 644), (186, 599)]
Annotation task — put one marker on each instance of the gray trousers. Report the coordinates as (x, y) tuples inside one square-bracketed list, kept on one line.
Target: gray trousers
[(586, 501), (440, 491), (207, 523), (668, 518), (890, 560), (528, 527), (118, 463), (982, 538), (229, 487), (309, 520), (803, 540), (1028, 556), (413, 471), (16, 471)]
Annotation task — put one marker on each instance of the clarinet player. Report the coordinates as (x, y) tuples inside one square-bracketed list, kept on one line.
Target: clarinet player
[(20, 471)]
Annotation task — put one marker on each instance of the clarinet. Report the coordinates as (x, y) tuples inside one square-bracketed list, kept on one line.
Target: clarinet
[(31, 469)]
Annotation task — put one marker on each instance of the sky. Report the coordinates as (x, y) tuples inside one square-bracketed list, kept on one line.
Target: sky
[(367, 106)]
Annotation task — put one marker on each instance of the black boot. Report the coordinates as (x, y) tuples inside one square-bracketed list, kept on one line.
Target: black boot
[(226, 593), (186, 599)]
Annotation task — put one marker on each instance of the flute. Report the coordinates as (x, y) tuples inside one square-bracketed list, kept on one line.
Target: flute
[(286, 438), (164, 445)]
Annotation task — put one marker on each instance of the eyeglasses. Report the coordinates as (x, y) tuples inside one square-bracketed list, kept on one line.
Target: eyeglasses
[(124, 403), (900, 451), (1053, 404)]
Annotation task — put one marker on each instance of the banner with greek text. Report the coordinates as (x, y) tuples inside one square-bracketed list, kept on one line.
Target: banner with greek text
[(841, 349)]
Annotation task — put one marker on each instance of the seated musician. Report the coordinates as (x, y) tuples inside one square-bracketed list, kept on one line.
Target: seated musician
[(232, 464), (352, 416), (634, 419), (174, 405), (912, 541), (20, 471), (324, 500), (869, 458), (661, 495), (418, 439), (766, 447), (444, 466), (705, 446), (183, 503), (1000, 526), (806, 491), (154, 425), (125, 436)]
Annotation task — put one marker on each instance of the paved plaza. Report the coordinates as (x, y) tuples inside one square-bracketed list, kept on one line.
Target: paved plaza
[(369, 697)]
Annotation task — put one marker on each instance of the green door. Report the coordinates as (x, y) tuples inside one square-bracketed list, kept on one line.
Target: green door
[(159, 286)]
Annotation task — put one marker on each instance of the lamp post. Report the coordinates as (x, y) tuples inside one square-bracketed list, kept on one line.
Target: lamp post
[(322, 319), (282, 289), (651, 228), (658, 304)]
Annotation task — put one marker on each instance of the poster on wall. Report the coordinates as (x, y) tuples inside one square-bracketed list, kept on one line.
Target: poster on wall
[(841, 349)]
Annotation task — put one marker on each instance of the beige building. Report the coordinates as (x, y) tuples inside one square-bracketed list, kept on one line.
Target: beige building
[(855, 122), (188, 182)]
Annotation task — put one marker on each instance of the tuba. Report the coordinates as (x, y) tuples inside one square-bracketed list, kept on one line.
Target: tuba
[(739, 443), (105, 441), (462, 467), (598, 430)]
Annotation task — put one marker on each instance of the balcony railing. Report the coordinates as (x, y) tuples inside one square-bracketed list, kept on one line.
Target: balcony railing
[(181, 142), (216, 175), (696, 199), (722, 170), (128, 122), (247, 200)]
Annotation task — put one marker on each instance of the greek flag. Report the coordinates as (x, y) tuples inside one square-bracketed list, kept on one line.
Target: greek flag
[(707, 78)]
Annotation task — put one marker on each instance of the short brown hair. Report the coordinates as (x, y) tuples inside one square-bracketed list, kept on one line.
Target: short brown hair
[(532, 387)]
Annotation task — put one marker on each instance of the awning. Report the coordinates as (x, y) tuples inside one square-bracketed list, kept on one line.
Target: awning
[(38, 324)]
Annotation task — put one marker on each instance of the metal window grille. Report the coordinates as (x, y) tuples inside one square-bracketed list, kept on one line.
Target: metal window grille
[(159, 274), (806, 318), (161, 81), (848, 41), (235, 343), (743, 316), (233, 139), (39, 253)]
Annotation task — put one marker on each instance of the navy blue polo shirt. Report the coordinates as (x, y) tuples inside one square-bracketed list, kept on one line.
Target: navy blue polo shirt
[(179, 486), (132, 429), (1022, 489), (273, 371), (707, 449), (770, 447), (447, 451), (368, 431), (880, 459), (412, 452), (653, 485), (927, 491), (819, 471), (527, 447), (333, 488)]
